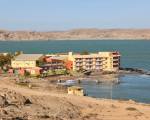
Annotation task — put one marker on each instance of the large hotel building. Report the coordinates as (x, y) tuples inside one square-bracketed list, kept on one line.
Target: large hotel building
[(101, 61), (104, 61)]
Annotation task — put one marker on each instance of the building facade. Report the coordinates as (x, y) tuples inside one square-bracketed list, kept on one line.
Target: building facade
[(59, 63), (26, 63), (101, 61), (54, 62)]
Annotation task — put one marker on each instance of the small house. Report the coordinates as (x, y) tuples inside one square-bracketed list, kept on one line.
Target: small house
[(26, 61), (34, 71), (75, 90)]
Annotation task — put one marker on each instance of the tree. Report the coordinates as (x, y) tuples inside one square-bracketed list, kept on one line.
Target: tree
[(27, 74), (18, 53), (40, 62), (5, 60), (84, 52), (53, 72)]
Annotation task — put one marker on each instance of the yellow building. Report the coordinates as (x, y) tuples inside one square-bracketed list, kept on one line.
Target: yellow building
[(104, 61), (26, 61), (75, 90)]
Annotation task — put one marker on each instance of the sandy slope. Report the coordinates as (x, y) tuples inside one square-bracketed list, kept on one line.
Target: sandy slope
[(50, 105)]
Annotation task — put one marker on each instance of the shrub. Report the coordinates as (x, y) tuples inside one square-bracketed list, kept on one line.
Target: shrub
[(131, 109)]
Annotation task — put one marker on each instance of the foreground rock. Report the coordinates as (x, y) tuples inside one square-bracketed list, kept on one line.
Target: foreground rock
[(16, 106)]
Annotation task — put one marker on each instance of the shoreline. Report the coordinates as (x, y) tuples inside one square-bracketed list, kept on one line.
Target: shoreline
[(84, 39), (62, 106), (106, 77)]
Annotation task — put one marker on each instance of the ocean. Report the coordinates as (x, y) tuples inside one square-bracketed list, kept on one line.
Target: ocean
[(134, 53)]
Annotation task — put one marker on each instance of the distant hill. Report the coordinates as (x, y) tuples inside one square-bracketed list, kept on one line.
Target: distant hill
[(77, 34)]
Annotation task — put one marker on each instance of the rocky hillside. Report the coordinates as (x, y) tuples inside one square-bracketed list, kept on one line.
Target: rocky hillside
[(77, 34)]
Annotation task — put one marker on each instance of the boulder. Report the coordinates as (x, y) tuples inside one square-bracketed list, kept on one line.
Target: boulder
[(3, 101)]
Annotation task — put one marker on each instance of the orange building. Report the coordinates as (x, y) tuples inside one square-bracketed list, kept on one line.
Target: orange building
[(54, 63), (69, 65)]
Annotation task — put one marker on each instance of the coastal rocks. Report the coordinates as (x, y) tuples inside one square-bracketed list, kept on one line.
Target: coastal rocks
[(3, 101), (11, 104), (12, 97), (136, 70), (15, 106)]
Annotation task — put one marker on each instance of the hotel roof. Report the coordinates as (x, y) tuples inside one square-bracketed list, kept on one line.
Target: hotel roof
[(28, 57), (58, 57)]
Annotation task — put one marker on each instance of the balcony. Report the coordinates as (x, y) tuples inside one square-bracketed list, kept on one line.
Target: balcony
[(89, 64), (78, 65), (115, 63), (78, 60), (115, 66), (116, 54), (98, 59), (98, 63), (78, 68), (98, 68), (88, 68), (88, 59)]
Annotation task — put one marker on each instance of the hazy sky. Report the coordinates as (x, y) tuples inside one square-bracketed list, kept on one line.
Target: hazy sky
[(69, 14)]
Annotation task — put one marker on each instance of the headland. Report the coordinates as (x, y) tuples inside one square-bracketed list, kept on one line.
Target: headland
[(76, 34)]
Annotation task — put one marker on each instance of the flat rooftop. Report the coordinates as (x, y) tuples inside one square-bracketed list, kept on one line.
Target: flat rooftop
[(28, 57)]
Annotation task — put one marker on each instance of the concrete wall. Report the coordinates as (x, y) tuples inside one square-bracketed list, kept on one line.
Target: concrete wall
[(23, 64)]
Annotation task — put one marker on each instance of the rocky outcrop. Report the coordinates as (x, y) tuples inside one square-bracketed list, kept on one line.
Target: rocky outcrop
[(77, 34), (15, 106), (136, 70), (11, 105)]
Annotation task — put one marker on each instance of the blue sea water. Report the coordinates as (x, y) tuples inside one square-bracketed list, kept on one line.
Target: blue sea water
[(134, 53), (135, 87)]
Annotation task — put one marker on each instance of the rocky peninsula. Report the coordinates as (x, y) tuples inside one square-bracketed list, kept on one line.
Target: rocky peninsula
[(77, 34)]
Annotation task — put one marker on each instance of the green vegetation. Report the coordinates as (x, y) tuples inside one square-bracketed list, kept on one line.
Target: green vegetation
[(57, 72), (5, 61), (75, 73), (54, 72), (23, 84), (84, 52), (131, 109), (40, 62), (18, 53), (27, 74)]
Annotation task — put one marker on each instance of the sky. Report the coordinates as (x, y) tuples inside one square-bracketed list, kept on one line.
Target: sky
[(57, 15)]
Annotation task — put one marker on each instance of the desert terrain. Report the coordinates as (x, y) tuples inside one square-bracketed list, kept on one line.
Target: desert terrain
[(77, 34), (46, 101)]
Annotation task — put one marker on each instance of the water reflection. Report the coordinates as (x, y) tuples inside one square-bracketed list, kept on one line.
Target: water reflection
[(134, 87)]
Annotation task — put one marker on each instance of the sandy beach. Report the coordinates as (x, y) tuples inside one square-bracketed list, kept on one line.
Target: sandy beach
[(45, 101)]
